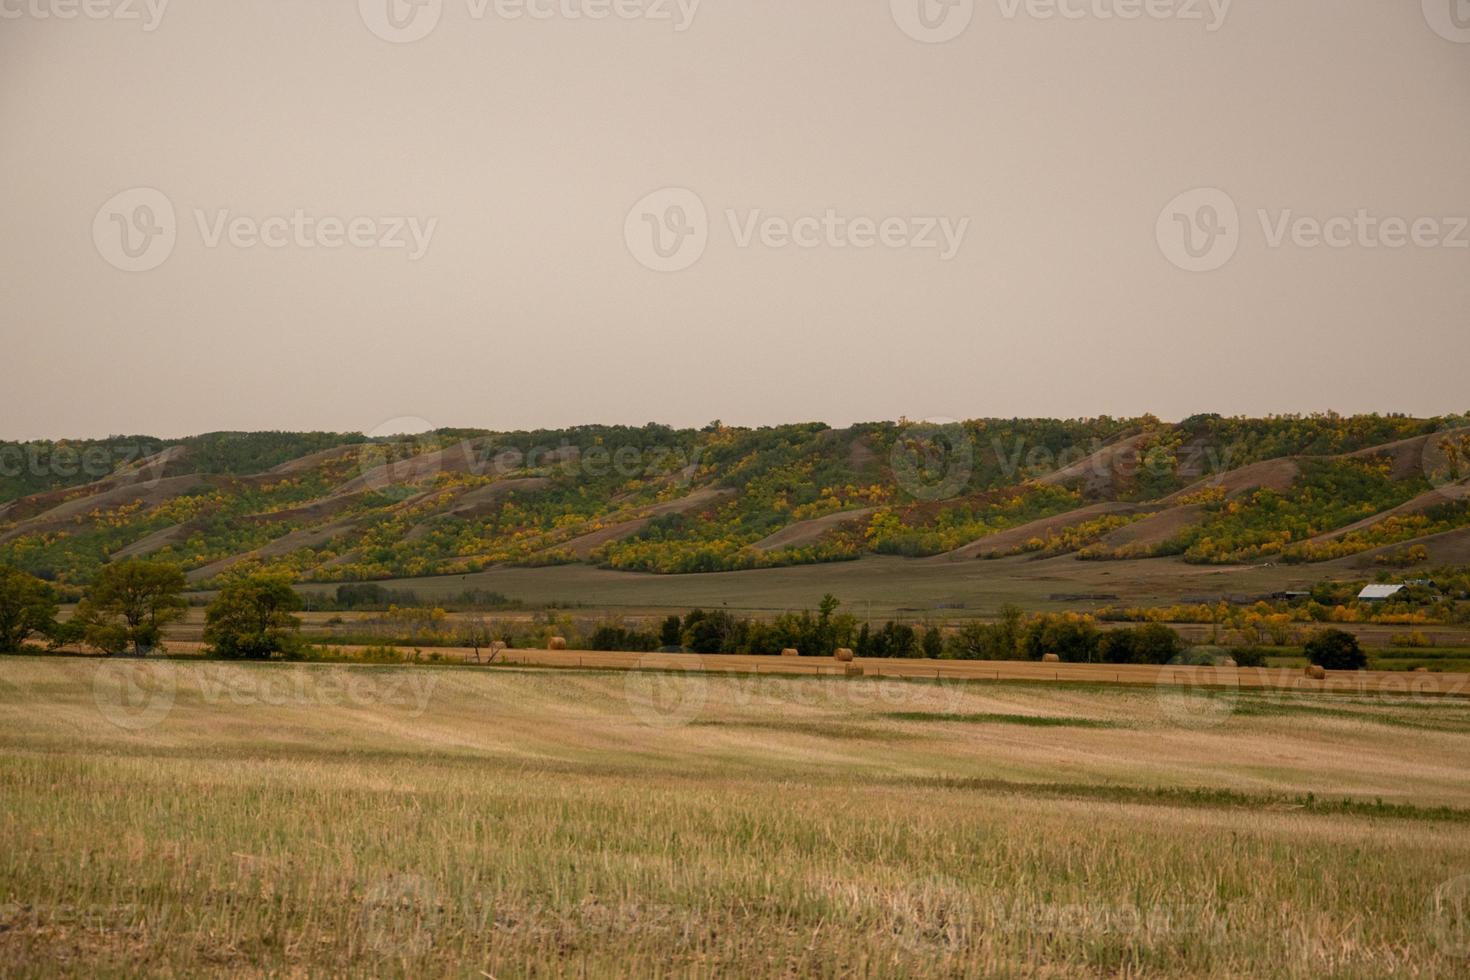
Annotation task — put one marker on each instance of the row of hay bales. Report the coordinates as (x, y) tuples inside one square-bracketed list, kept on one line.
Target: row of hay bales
[(845, 656)]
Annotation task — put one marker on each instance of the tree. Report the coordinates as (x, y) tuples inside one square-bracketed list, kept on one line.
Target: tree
[(130, 603), (1336, 650), (671, 633), (480, 633), (707, 632), (27, 606), (933, 643), (252, 618), (989, 641), (1074, 640), (1152, 643), (893, 640)]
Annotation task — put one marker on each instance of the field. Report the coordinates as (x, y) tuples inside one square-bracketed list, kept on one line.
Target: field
[(182, 818)]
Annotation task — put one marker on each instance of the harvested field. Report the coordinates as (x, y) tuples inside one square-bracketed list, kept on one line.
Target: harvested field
[(301, 819)]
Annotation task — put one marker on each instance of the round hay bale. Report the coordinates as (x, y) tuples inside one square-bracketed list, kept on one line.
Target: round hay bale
[(556, 643), (1316, 673), (844, 655), (1051, 658), (1421, 670), (1228, 662), (788, 652)]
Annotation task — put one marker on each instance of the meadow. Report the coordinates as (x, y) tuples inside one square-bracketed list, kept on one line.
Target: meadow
[(178, 818)]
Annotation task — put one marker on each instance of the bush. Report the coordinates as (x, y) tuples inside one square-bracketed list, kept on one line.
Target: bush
[(27, 606), (617, 638), (1336, 650), (251, 619), (988, 641), (1248, 656), (1152, 643), (1074, 640)]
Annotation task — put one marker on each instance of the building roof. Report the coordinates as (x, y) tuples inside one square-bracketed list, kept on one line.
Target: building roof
[(1380, 591)]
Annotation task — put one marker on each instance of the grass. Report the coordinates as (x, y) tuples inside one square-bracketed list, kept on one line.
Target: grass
[(309, 819), (1035, 721)]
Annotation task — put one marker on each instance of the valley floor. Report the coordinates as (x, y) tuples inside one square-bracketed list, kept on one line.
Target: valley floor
[(186, 818)]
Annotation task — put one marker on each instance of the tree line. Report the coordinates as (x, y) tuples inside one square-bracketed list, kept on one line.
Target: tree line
[(253, 617)]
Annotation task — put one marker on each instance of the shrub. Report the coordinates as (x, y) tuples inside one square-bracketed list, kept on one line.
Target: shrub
[(129, 605), (618, 638), (252, 619), (1152, 643), (1336, 650), (1074, 640), (1248, 657), (27, 606)]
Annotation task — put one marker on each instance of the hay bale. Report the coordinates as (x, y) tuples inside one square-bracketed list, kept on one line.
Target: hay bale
[(788, 652), (1051, 658), (844, 655), (1316, 673), (556, 643), (1228, 662), (1421, 670)]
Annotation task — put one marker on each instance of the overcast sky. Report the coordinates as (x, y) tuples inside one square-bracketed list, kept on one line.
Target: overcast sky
[(333, 215)]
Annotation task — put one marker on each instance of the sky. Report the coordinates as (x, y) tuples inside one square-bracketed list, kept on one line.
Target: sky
[(509, 214)]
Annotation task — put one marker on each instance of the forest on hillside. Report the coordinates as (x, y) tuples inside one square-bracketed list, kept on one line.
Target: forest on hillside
[(344, 507)]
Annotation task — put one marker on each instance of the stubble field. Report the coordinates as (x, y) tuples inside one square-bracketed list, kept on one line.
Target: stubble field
[(181, 818)]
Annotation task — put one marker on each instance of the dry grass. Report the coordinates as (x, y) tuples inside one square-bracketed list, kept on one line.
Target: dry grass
[(308, 820)]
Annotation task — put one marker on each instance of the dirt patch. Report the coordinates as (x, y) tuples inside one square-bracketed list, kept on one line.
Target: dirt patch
[(306, 464), (1406, 457), (462, 457), (154, 542), (313, 537), (487, 499), (803, 533), (150, 494), (1099, 472), (1447, 548), (1425, 501), (1004, 541), (1155, 529), (1272, 474), (582, 546)]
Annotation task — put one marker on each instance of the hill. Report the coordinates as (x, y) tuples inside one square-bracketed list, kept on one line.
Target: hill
[(1340, 492)]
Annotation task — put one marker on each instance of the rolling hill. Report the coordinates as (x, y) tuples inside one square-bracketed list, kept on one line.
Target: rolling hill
[(1342, 493)]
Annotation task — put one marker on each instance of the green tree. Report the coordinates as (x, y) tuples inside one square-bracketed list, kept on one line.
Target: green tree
[(933, 643), (1075, 641), (130, 603), (671, 633), (27, 607), (1152, 643), (252, 618), (1336, 650)]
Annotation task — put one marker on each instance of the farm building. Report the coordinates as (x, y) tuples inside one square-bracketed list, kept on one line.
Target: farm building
[(1378, 593)]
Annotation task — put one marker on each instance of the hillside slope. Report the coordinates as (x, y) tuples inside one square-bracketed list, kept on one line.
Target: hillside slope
[(325, 507)]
